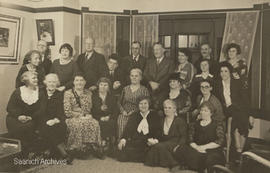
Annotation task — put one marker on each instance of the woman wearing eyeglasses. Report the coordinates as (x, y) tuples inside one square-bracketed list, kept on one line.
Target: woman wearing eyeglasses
[(206, 95)]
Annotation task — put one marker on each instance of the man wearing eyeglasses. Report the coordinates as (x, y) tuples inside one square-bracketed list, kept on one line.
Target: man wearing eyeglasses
[(134, 60)]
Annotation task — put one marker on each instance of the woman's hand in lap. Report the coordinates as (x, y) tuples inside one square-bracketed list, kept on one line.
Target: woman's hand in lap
[(122, 144)]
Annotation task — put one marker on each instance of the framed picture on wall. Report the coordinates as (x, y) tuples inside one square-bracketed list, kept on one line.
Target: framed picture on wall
[(45, 30), (10, 32)]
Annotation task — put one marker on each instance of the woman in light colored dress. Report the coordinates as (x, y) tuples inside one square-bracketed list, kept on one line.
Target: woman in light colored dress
[(128, 102), (84, 130)]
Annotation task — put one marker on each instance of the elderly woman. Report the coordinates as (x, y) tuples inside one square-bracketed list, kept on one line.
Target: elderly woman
[(233, 52), (184, 67), (178, 94), (172, 136), (235, 104), (31, 63), (142, 130), (206, 95), (129, 99), (105, 110), (83, 129), (65, 67), (206, 138), (23, 110), (51, 124)]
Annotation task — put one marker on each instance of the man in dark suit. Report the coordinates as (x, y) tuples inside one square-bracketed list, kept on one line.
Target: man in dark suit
[(157, 72), (135, 60), (206, 51), (113, 72), (46, 62), (91, 64)]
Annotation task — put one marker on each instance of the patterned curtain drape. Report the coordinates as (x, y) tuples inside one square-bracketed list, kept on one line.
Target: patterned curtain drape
[(240, 28), (102, 28), (145, 30)]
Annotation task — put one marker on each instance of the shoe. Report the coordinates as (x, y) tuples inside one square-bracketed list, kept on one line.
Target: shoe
[(99, 154)]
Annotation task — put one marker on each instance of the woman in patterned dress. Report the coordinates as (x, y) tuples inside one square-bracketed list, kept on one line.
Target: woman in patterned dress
[(233, 52), (128, 102), (184, 67), (84, 130)]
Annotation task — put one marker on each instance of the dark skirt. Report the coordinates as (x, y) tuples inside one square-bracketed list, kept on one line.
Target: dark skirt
[(195, 160), (22, 131), (161, 154), (107, 128), (53, 135), (240, 119), (135, 150)]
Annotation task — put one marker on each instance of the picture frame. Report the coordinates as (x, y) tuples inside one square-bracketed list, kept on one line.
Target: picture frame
[(10, 36), (45, 30)]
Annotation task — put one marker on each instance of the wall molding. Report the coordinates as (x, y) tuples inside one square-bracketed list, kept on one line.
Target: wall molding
[(264, 6)]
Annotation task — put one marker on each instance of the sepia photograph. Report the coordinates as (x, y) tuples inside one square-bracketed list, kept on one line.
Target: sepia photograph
[(135, 86)]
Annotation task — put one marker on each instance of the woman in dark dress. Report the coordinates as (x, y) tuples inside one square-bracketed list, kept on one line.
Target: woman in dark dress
[(206, 138), (179, 95), (51, 126), (31, 63), (142, 130), (105, 111), (235, 104), (206, 87), (23, 110), (65, 67), (172, 136)]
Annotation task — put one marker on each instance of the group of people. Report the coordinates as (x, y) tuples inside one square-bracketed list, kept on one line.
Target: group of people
[(156, 110)]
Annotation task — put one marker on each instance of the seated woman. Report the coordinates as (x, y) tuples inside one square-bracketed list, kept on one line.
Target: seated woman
[(65, 67), (31, 63), (206, 137), (184, 67), (206, 95), (83, 129), (204, 75), (23, 111), (235, 104), (52, 126), (105, 110), (173, 135), (142, 130), (128, 101), (179, 95)]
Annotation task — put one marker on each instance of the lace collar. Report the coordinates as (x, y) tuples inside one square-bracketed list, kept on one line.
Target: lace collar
[(29, 96)]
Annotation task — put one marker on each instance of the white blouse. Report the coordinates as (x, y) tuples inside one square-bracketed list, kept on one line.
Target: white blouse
[(227, 93), (143, 125), (29, 96)]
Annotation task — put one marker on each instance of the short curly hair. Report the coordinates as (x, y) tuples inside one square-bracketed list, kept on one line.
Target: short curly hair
[(233, 45), (185, 51), (104, 80), (29, 54), (67, 46)]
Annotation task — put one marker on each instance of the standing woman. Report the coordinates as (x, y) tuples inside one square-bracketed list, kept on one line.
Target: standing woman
[(105, 111), (184, 67), (83, 129), (234, 100), (129, 99), (23, 110), (143, 130), (179, 95), (31, 62), (239, 65), (52, 126), (173, 135), (65, 67)]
